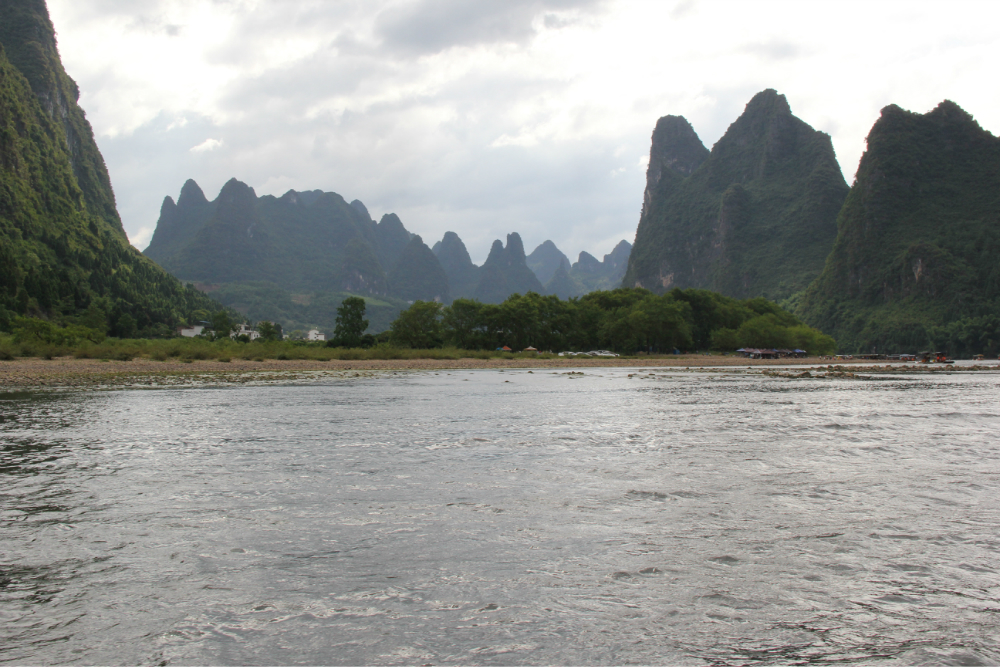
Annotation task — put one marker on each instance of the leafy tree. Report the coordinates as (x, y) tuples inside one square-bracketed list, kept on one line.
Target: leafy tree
[(725, 340), (125, 326), (462, 324), (269, 330), (765, 331), (351, 323), (222, 325), (33, 329), (419, 326), (95, 317), (667, 326)]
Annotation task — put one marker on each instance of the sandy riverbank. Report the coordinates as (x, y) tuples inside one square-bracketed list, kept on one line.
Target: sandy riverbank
[(71, 372)]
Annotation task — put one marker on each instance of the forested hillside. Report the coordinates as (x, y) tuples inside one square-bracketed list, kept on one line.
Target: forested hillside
[(753, 217), (63, 253), (914, 265)]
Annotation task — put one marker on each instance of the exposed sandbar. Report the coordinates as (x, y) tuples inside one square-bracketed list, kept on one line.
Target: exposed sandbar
[(29, 373)]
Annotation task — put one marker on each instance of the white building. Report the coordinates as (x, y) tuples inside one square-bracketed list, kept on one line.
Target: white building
[(314, 334), (191, 332), (245, 330)]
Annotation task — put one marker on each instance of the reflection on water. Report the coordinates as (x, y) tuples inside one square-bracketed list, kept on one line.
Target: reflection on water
[(505, 517)]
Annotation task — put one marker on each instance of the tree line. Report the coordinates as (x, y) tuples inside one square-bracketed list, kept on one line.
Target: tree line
[(625, 320)]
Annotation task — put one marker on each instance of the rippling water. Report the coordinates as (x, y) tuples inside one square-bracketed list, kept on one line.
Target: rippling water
[(505, 517)]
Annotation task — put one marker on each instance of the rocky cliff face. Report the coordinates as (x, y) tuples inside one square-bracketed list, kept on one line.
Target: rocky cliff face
[(62, 247), (676, 151), (391, 239), (180, 222), (915, 256), (28, 37), (754, 217)]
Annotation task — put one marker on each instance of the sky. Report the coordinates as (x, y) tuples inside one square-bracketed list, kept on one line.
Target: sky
[(486, 117)]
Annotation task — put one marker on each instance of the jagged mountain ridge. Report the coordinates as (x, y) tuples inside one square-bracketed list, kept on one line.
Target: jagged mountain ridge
[(588, 274), (506, 272), (545, 260), (302, 241), (63, 251), (463, 275), (593, 275), (755, 216), (914, 262)]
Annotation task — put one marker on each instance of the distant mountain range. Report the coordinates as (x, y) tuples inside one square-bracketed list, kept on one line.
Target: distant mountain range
[(273, 257)]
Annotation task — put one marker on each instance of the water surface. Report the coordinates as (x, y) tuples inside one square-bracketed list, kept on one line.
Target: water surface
[(505, 518)]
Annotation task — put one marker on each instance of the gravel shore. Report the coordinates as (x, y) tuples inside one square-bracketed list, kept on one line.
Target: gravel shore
[(68, 372)]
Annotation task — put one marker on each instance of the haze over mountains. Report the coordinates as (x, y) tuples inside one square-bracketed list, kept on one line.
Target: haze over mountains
[(249, 250)]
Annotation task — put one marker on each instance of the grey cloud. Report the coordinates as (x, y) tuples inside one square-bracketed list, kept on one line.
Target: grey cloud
[(432, 26), (682, 9), (773, 50), (152, 23), (427, 157)]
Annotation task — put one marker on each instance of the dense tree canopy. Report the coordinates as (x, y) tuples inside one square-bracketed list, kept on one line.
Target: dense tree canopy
[(351, 323), (625, 320)]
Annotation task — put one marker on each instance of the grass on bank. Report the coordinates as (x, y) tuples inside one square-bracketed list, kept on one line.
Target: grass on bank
[(195, 349)]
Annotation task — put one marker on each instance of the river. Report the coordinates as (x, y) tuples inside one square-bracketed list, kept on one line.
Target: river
[(610, 517)]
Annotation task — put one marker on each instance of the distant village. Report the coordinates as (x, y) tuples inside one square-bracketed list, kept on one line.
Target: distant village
[(245, 330)]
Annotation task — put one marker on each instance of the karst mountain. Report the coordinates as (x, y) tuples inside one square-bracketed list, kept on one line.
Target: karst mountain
[(755, 216), (63, 252), (914, 264)]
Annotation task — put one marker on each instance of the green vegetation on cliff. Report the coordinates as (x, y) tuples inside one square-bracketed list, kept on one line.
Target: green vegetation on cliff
[(419, 275), (755, 217), (63, 254), (915, 265), (260, 301), (303, 241), (28, 37)]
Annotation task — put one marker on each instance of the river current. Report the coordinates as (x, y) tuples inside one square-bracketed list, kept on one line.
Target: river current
[(691, 518)]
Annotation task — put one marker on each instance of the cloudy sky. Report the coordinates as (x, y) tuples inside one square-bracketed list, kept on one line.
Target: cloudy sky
[(489, 116)]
